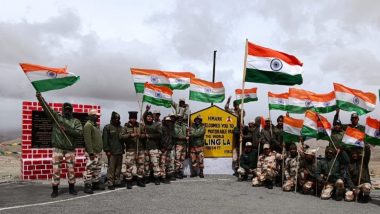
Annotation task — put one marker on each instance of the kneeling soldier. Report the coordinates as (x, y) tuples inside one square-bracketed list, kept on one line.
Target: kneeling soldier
[(248, 162)]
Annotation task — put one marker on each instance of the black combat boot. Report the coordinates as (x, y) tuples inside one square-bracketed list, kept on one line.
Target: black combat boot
[(193, 173), (166, 180), (140, 182), (171, 177), (72, 190), (98, 186), (157, 181), (129, 184), (179, 175), (268, 184), (88, 189), (201, 175), (54, 194), (339, 195), (111, 187)]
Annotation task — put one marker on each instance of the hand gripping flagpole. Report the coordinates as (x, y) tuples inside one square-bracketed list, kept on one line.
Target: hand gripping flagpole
[(54, 119), (242, 102)]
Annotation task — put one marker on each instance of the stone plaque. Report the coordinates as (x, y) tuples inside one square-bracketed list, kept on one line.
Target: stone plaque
[(42, 128)]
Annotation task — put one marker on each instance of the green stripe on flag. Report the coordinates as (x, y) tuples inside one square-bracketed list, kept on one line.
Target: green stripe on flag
[(372, 140), (297, 109), (179, 86), (246, 100), (206, 98), (290, 138), (346, 106), (139, 87), (157, 102), (54, 84), (309, 132), (274, 78), (324, 110), (277, 106)]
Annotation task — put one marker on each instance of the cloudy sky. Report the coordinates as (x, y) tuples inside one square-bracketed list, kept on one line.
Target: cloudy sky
[(100, 41)]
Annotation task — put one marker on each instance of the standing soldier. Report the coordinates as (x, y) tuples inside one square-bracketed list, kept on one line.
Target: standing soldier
[(306, 172), (291, 169), (114, 150), (94, 147), (180, 142), (354, 121), (277, 139), (63, 146), (331, 181), (167, 151), (364, 189), (153, 135), (266, 170), (236, 111), (135, 152), (181, 109), (337, 134), (197, 133), (266, 134), (248, 162)]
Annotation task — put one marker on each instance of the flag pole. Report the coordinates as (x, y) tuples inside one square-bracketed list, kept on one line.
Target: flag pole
[(361, 169), (283, 164), (55, 120), (242, 101)]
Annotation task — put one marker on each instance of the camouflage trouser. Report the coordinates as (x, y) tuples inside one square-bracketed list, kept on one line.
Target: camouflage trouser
[(289, 184), (197, 157), (134, 165), (167, 163), (93, 167), (57, 159), (364, 188), (329, 187), (180, 155), (243, 171), (114, 169), (151, 158), (235, 159), (269, 174)]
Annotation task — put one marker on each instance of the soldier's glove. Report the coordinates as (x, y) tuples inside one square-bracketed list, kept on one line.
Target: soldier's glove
[(38, 94)]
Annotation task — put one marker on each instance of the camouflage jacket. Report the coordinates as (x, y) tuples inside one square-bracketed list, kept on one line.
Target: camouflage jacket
[(132, 143), (167, 137), (92, 138), (269, 162), (197, 134), (323, 168), (180, 133), (306, 170), (153, 135), (72, 126), (111, 141), (291, 167)]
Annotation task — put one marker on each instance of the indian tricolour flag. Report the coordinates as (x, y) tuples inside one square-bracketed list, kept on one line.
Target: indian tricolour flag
[(292, 129), (179, 80), (372, 131), (208, 92), (142, 76), (353, 137), (157, 95), (249, 95), (46, 78), (349, 99), (278, 101), (316, 126), (323, 103), (299, 101), (269, 66)]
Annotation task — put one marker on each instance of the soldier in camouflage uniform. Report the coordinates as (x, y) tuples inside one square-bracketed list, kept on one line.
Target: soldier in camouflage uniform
[(266, 170), (248, 162), (135, 152), (167, 151), (337, 134), (152, 136), (197, 133), (62, 148), (277, 138), (236, 111), (180, 140), (306, 171), (291, 165), (114, 150), (181, 109), (331, 181), (364, 189), (94, 146)]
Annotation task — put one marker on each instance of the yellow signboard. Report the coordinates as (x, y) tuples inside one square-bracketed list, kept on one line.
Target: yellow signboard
[(219, 131)]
